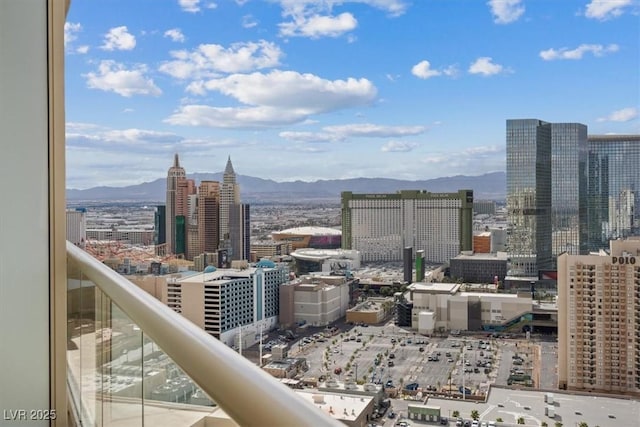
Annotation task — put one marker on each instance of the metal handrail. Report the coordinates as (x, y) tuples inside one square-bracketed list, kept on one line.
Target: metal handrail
[(250, 396)]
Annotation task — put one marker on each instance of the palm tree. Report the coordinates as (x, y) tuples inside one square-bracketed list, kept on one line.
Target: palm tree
[(456, 414), (475, 414), (520, 420)]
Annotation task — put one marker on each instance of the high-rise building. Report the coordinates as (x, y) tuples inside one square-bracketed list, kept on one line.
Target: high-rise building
[(613, 188), (240, 231), (175, 175), (229, 195), (160, 225), (209, 216), (568, 189), (221, 301), (529, 196), (380, 226), (599, 319), (77, 226)]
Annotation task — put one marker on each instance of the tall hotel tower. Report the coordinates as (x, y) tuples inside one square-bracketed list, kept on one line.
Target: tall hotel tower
[(175, 175), (546, 193), (229, 195), (380, 226), (208, 216), (569, 189), (599, 319), (529, 196), (614, 188)]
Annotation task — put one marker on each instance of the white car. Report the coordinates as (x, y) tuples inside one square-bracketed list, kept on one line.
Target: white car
[(492, 424), (483, 424), (475, 423)]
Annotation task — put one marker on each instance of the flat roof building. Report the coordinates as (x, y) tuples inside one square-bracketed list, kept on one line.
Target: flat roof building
[(315, 300), (380, 226), (599, 319)]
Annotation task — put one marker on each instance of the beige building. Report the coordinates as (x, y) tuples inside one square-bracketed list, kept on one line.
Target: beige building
[(441, 306), (316, 300), (371, 311), (599, 319), (269, 249), (226, 303)]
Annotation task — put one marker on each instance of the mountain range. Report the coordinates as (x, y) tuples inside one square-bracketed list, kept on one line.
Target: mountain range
[(490, 186)]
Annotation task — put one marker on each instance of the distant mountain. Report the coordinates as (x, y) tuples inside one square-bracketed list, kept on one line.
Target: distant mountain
[(254, 190)]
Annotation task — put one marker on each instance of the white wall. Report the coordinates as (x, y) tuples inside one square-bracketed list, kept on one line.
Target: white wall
[(24, 211)]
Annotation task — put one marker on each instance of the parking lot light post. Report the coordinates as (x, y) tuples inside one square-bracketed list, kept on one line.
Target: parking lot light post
[(464, 390)]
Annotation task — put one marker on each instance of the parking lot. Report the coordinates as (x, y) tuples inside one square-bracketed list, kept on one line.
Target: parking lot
[(420, 368), (401, 359)]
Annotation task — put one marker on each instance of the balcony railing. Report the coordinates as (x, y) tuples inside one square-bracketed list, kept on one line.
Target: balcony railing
[(128, 354)]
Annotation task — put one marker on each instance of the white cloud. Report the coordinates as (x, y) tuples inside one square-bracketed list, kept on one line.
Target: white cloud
[(136, 139), (211, 5), (207, 60), (310, 136), (423, 70), (606, 9), (398, 146), (119, 38), (506, 11), (114, 77), (623, 115), (175, 34), (314, 18), (248, 21), (303, 93), (356, 130), (317, 26), (82, 49), (486, 67), (374, 131), (192, 6), (274, 99), (578, 53), (466, 161), (392, 7), (233, 118), (71, 30)]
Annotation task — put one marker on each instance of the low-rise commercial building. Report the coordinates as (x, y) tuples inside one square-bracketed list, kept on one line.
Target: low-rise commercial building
[(317, 300), (442, 307), (371, 311), (479, 267)]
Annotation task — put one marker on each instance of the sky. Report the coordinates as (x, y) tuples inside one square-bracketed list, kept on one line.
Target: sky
[(330, 89)]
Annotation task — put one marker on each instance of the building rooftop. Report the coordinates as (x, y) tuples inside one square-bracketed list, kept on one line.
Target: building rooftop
[(311, 254), (500, 256), (313, 231), (221, 274), (437, 288), (339, 406)]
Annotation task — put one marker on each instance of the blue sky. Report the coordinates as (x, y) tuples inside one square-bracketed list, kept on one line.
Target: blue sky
[(323, 89)]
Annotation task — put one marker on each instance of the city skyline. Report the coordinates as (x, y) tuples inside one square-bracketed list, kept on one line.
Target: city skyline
[(336, 89)]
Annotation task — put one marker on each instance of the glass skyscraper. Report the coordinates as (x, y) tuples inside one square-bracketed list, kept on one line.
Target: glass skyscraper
[(613, 188), (568, 189), (529, 196)]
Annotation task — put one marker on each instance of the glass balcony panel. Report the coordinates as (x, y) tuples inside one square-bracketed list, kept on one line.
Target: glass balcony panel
[(121, 368), (116, 372), (171, 398)]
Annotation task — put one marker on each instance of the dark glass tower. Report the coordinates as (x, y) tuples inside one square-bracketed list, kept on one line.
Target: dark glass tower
[(569, 189), (613, 188), (529, 196)]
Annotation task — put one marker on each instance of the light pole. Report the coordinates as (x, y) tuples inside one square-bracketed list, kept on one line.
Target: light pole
[(464, 390), (355, 364)]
